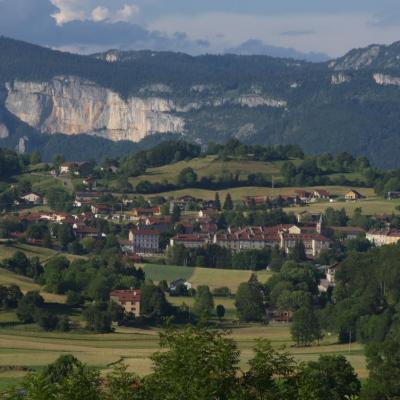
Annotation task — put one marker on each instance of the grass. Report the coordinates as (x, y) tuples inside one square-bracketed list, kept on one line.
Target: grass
[(197, 276), (44, 254), (34, 349), (208, 166)]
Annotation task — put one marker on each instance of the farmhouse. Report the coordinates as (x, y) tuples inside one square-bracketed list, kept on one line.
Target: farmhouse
[(353, 195), (393, 195), (321, 194), (129, 300), (145, 240)]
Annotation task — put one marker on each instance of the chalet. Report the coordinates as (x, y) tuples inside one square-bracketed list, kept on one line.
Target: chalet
[(145, 240), (191, 240), (33, 198), (382, 237), (129, 300), (393, 195), (353, 195), (276, 315)]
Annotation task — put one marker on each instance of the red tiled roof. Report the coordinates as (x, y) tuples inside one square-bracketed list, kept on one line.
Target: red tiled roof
[(126, 295)]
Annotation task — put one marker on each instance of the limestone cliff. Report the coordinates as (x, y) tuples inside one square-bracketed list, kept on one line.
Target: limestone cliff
[(73, 106)]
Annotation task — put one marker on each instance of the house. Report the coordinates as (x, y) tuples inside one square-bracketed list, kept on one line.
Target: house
[(191, 240), (382, 237), (160, 223), (353, 195), (173, 286), (208, 213), (83, 231), (146, 212), (76, 168), (393, 195), (145, 240), (33, 198), (100, 209), (129, 300), (90, 182), (303, 195), (321, 194)]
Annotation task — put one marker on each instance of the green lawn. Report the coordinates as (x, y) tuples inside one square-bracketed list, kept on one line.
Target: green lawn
[(213, 277)]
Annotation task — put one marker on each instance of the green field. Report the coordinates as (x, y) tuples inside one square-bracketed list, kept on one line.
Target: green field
[(26, 346), (208, 166), (212, 277)]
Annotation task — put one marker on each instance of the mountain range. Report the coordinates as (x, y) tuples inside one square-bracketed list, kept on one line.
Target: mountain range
[(108, 103)]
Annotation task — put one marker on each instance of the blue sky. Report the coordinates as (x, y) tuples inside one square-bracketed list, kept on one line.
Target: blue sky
[(197, 26)]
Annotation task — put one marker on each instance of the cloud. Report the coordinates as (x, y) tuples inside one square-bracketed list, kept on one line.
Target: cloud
[(91, 10)]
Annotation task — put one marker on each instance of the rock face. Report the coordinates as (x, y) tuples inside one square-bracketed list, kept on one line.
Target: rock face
[(74, 106), (4, 133), (386, 80), (340, 78)]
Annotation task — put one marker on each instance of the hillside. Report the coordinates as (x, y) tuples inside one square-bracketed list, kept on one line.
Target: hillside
[(349, 104)]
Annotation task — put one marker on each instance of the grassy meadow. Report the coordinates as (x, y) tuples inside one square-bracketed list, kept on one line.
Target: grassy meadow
[(213, 277), (26, 346)]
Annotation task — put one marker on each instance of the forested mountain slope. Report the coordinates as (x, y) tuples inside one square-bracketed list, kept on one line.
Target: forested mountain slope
[(349, 104)]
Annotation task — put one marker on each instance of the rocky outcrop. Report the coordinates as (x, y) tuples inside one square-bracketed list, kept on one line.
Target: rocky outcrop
[(4, 133), (74, 106), (386, 80), (339, 79)]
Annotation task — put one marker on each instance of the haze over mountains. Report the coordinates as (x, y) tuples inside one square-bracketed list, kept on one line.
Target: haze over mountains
[(348, 104)]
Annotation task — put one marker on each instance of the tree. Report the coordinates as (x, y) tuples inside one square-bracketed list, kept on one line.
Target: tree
[(305, 328), (220, 310), (203, 302), (329, 378), (207, 359), (98, 318), (228, 203), (61, 368), (383, 362), (120, 384), (249, 301), (272, 373), (46, 320), (298, 253), (217, 201), (187, 177), (153, 303), (176, 214), (28, 306), (65, 235)]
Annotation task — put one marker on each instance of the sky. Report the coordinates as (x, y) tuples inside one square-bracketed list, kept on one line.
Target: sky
[(321, 27)]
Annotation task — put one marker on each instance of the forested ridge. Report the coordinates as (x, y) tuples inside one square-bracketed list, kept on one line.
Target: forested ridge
[(354, 114)]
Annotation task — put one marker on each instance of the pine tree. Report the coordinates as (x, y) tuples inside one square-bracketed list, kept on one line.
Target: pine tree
[(228, 204), (217, 201)]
